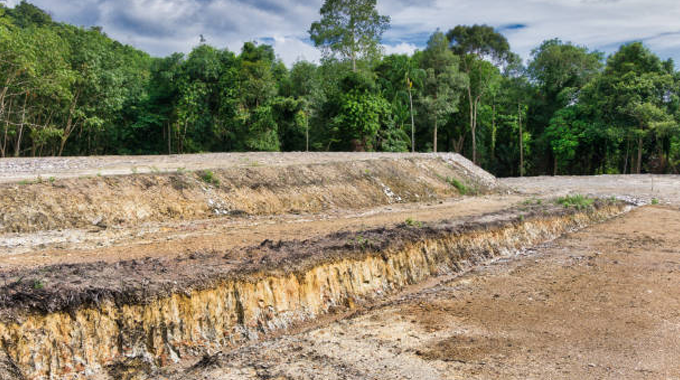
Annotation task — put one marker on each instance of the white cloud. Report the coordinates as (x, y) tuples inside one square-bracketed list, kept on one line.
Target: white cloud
[(402, 48), (291, 49), (164, 26)]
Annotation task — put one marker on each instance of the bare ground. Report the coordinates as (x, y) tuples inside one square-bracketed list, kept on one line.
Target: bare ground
[(599, 304)]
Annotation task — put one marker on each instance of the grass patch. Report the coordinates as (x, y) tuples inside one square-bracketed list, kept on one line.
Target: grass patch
[(655, 201), (577, 201), (413, 223), (209, 177), (533, 201), (460, 186)]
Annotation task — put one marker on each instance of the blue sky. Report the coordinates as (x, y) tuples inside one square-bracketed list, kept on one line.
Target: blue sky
[(161, 27)]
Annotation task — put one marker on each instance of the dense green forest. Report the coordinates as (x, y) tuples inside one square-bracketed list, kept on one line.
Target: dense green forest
[(66, 90)]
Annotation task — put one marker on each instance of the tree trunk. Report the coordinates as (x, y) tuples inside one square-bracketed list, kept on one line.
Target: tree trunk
[(413, 124), (474, 132), (493, 132), (472, 112), (625, 163), (306, 134), (521, 141), (639, 157), (169, 137), (17, 151), (435, 135)]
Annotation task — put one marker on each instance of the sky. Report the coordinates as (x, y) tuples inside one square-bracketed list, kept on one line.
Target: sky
[(162, 27)]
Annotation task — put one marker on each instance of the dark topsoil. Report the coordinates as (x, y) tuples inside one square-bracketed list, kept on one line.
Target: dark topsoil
[(68, 287)]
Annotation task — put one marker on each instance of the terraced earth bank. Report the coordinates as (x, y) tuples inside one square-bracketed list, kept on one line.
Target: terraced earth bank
[(264, 270)]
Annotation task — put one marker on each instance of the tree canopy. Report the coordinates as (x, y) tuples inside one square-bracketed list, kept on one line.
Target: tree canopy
[(66, 90)]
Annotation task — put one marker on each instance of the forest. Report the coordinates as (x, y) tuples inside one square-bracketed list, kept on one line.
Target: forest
[(67, 90)]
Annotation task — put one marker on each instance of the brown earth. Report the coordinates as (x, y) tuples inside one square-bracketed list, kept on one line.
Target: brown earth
[(598, 304)]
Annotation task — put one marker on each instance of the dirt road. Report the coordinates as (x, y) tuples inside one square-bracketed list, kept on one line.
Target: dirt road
[(599, 304)]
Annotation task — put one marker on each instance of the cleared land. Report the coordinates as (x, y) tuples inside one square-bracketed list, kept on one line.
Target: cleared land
[(327, 266), (598, 304)]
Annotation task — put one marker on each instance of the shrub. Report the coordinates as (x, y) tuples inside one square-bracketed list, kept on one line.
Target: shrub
[(460, 186), (577, 201), (209, 177), (413, 223)]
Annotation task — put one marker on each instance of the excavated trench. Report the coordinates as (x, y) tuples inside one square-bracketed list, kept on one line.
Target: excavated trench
[(124, 320)]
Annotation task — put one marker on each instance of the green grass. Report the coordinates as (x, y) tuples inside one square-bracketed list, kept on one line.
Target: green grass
[(209, 177), (413, 223), (37, 285), (655, 201), (577, 201), (533, 201), (460, 186)]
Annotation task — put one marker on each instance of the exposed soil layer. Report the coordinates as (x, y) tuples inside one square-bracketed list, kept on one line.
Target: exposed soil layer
[(601, 303), (141, 199), (74, 319), (68, 287)]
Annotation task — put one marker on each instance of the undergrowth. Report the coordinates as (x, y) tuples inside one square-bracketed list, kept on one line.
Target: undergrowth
[(209, 177), (577, 201)]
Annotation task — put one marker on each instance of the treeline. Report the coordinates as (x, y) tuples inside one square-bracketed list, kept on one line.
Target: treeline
[(66, 90)]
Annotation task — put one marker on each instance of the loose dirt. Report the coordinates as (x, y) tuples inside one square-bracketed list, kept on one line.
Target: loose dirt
[(598, 304), (183, 239)]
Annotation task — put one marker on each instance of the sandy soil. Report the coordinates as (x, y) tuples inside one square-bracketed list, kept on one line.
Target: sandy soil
[(599, 304), (665, 188)]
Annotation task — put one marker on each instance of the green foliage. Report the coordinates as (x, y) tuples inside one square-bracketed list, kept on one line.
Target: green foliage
[(460, 186), (655, 201), (413, 223), (66, 90), (209, 177), (38, 284), (349, 29), (577, 201)]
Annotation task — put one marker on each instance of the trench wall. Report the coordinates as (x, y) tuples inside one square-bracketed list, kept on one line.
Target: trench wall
[(86, 342)]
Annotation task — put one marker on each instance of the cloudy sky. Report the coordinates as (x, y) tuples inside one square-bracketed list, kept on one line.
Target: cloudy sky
[(161, 27)]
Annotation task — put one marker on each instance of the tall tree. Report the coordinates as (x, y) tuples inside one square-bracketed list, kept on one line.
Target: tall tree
[(350, 29), (478, 45), (443, 82)]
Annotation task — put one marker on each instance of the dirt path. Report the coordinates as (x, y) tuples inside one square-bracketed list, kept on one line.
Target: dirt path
[(602, 303), (171, 240)]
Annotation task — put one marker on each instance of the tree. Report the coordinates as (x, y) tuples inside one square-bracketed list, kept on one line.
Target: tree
[(350, 29), (635, 93), (443, 81), (361, 112), (479, 46), (400, 77)]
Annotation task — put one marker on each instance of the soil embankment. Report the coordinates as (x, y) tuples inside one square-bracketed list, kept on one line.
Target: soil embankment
[(97, 318), (137, 200)]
